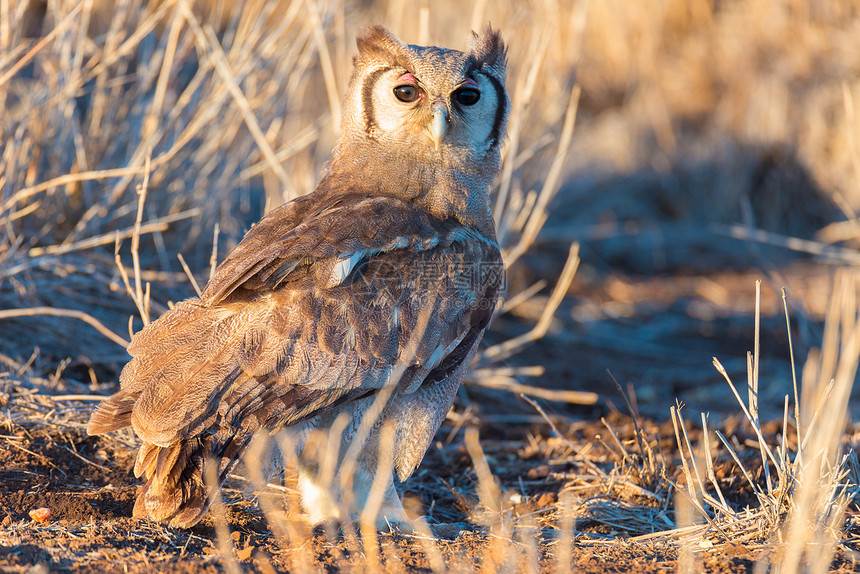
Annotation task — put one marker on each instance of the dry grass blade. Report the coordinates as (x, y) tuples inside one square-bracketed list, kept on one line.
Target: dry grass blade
[(511, 346), (40, 45), (643, 451), (702, 491), (488, 489), (566, 534), (373, 505), (20, 213), (151, 122), (208, 41), (189, 274), (225, 546), (551, 184), (712, 477), (817, 412), (54, 312), (213, 258), (153, 226), (686, 514), (500, 551), (135, 240), (753, 388), (756, 489), (762, 443), (295, 531), (522, 296), (28, 192), (522, 95), (677, 421), (815, 524), (77, 397), (325, 62), (840, 254), (555, 395), (793, 369)]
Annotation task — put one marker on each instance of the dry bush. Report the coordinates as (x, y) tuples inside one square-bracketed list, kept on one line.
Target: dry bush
[(237, 107), (740, 111)]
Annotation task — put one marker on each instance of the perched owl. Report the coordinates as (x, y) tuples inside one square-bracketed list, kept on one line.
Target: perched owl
[(382, 279)]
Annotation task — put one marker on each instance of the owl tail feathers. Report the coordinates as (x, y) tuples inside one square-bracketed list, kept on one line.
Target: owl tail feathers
[(112, 414), (174, 492)]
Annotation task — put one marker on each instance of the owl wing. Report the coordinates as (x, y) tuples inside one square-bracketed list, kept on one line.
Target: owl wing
[(318, 305)]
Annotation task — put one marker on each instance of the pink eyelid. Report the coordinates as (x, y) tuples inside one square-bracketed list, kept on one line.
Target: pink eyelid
[(408, 78)]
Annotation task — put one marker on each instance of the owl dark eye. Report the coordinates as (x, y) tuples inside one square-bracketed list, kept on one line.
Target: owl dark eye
[(407, 93), (467, 96)]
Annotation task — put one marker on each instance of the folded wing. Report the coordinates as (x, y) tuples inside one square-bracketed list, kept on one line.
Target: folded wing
[(324, 301)]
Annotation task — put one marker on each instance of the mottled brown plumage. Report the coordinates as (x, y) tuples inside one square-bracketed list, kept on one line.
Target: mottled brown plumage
[(386, 275)]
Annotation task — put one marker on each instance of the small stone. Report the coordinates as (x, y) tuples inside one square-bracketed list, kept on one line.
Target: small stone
[(245, 553), (541, 471), (41, 515), (546, 500)]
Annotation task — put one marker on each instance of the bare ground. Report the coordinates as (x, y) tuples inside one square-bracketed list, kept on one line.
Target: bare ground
[(88, 485), (580, 464)]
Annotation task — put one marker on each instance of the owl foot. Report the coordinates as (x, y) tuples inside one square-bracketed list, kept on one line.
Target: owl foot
[(449, 530), (330, 528)]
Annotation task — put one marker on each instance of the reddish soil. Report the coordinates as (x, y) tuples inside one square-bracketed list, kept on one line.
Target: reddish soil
[(87, 484)]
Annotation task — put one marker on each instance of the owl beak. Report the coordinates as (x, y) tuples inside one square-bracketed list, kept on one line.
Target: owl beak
[(438, 126)]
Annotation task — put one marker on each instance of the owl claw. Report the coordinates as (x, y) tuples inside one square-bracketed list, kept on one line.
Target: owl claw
[(331, 528)]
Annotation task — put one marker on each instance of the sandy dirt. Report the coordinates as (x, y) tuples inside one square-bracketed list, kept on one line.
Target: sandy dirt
[(88, 486)]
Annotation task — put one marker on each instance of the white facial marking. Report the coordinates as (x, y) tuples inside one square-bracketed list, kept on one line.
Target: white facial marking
[(478, 119), (389, 113)]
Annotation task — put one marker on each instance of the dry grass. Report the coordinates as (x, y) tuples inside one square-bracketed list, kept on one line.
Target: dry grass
[(138, 140)]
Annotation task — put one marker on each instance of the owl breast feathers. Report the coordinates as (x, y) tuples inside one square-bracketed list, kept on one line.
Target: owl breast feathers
[(381, 280)]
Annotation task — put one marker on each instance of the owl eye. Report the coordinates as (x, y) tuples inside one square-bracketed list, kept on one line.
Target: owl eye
[(467, 96), (407, 93)]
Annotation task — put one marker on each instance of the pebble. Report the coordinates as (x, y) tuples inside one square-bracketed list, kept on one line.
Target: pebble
[(41, 515)]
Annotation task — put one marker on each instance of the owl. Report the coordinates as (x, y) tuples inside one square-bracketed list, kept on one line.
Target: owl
[(378, 284)]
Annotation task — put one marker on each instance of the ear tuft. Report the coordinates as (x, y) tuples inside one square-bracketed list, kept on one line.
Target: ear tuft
[(489, 50), (377, 41)]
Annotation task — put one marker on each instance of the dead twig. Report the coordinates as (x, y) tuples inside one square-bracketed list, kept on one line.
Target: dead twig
[(73, 313)]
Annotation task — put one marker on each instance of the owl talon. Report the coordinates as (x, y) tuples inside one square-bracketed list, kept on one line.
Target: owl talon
[(398, 526), (331, 529), (449, 530)]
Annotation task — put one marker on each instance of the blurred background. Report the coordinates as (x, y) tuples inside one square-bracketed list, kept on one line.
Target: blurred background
[(689, 147)]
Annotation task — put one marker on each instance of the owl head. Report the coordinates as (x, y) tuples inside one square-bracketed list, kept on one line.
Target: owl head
[(434, 107)]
